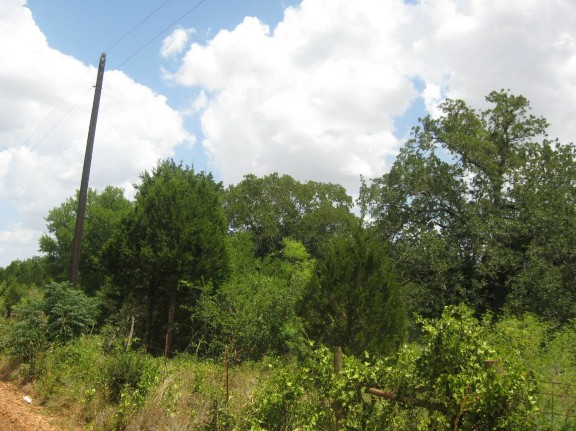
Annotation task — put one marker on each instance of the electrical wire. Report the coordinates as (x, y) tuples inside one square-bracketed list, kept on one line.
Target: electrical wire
[(129, 32), (147, 44)]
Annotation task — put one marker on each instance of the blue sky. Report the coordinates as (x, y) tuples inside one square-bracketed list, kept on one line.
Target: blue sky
[(86, 29), (322, 90)]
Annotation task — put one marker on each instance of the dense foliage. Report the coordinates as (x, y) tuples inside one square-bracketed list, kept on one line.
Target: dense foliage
[(58, 314), (275, 207), (452, 295), (104, 210), (480, 208), (173, 242), (354, 299)]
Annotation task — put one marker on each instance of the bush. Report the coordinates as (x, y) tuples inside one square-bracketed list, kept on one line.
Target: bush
[(70, 312), (27, 334), (62, 314), (453, 380)]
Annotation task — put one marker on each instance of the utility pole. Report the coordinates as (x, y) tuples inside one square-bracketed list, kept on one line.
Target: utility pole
[(83, 196)]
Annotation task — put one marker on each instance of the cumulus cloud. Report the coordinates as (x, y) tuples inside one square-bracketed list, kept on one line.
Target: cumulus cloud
[(525, 46), (318, 96), (315, 99), (46, 100), (176, 42)]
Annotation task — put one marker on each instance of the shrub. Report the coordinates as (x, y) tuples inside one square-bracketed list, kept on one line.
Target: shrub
[(60, 315)]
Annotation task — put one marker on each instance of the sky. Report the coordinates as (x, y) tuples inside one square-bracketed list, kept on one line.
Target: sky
[(323, 90)]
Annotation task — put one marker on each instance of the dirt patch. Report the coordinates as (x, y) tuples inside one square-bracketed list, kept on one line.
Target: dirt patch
[(18, 415)]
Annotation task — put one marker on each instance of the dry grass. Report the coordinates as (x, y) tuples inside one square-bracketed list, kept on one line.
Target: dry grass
[(190, 394)]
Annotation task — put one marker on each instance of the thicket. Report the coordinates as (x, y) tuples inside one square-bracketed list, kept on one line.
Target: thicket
[(473, 229), (463, 373)]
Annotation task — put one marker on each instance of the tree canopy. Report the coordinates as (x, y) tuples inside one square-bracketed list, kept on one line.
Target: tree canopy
[(275, 207), (104, 210), (479, 206), (174, 239)]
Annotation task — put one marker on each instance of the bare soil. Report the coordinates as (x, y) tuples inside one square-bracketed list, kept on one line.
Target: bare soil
[(18, 415)]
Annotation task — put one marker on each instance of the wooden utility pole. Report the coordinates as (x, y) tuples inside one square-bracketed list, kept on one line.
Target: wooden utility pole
[(82, 197)]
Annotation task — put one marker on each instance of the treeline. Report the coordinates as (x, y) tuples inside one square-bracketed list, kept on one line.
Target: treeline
[(477, 210)]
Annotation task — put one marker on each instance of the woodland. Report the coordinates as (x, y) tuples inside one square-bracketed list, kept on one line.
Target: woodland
[(449, 285)]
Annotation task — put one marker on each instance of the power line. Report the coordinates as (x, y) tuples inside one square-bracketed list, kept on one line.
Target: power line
[(129, 32), (147, 44)]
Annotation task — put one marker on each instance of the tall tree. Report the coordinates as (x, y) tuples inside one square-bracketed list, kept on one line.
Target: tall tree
[(275, 207), (174, 240), (355, 299), (474, 202), (103, 214)]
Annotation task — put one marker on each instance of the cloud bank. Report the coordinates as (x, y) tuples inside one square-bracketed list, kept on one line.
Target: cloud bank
[(319, 95)]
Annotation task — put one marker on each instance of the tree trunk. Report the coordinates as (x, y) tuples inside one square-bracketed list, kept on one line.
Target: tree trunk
[(149, 315), (170, 329)]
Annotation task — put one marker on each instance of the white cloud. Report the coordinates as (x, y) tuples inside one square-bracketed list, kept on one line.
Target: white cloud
[(42, 141), (522, 45), (317, 96), (15, 241), (176, 42)]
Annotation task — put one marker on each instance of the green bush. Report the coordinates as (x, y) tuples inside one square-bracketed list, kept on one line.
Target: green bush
[(70, 312), (453, 380), (60, 315), (80, 374), (27, 333)]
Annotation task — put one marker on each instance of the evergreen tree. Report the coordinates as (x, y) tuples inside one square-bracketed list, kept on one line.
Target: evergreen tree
[(173, 241), (355, 299)]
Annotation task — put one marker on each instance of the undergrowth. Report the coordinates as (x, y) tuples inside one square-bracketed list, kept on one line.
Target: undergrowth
[(109, 387)]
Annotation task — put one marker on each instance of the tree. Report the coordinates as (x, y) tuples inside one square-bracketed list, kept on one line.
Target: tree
[(173, 241), (254, 312), (474, 203), (30, 272), (104, 211), (276, 207), (355, 298)]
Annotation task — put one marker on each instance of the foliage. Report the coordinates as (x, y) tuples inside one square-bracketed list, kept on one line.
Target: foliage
[(173, 242), (104, 211), (60, 315), (275, 207), (460, 370), (444, 385), (27, 272), (12, 293), (80, 374), (479, 206), (254, 313), (27, 334), (550, 353), (69, 311), (354, 299)]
